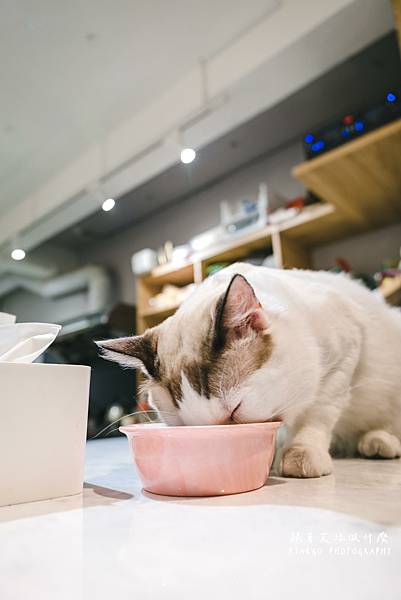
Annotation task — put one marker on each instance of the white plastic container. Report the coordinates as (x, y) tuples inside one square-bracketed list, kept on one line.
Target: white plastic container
[(43, 420), (144, 261)]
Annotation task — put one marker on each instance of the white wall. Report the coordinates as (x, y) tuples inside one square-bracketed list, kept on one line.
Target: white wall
[(364, 252)]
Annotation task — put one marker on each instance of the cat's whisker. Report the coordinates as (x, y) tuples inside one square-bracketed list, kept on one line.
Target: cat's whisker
[(279, 412), (137, 412), (290, 406)]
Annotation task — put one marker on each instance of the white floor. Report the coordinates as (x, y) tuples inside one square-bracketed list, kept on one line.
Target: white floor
[(116, 542)]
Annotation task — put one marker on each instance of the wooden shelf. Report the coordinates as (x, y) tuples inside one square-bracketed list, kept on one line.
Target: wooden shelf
[(283, 240), (237, 248), (158, 311), (392, 292), (152, 315), (316, 225), (180, 274), (362, 178)]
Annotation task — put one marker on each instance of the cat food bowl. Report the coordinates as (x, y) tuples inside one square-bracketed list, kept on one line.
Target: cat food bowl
[(202, 460)]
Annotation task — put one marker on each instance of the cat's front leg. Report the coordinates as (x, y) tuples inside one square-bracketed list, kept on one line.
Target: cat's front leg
[(308, 452), (305, 461), (311, 433)]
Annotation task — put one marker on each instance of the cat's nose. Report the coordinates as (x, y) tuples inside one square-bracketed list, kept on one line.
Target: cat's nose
[(232, 416), (229, 419)]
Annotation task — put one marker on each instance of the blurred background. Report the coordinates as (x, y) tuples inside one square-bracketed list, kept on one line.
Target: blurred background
[(144, 145)]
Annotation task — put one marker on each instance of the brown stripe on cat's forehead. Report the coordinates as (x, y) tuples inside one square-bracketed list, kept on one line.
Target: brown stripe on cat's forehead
[(214, 373), (198, 377), (236, 364), (174, 388)]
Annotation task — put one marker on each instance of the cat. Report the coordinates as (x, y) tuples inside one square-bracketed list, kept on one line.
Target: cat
[(314, 349)]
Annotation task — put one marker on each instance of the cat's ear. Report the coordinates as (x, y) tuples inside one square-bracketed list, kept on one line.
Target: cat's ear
[(137, 352), (238, 313)]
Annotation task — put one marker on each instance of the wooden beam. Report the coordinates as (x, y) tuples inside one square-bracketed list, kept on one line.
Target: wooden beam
[(396, 4), (289, 254)]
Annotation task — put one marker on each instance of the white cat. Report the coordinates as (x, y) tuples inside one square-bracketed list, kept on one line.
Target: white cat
[(252, 344)]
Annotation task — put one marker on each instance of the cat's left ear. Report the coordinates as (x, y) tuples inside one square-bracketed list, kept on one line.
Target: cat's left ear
[(136, 352), (238, 313)]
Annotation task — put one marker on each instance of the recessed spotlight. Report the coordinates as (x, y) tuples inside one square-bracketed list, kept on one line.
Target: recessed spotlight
[(108, 204), (18, 254), (188, 155)]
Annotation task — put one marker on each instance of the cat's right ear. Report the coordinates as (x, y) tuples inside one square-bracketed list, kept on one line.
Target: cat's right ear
[(238, 313), (136, 352)]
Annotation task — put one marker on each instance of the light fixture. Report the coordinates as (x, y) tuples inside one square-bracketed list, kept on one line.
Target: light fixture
[(16, 248), (187, 155), (18, 254), (108, 204)]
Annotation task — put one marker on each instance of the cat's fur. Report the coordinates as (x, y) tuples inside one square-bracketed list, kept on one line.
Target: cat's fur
[(252, 344)]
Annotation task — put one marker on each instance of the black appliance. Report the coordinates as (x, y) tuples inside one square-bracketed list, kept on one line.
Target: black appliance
[(353, 125), (112, 389)]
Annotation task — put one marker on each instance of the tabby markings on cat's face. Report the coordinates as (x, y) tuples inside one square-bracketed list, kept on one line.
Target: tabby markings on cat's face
[(198, 363)]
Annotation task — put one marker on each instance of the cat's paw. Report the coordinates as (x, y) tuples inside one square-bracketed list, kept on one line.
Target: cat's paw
[(305, 461), (379, 443)]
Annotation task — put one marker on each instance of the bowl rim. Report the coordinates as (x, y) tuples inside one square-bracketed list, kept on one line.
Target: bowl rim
[(165, 429)]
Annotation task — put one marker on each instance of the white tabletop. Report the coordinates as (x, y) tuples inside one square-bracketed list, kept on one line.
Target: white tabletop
[(117, 542)]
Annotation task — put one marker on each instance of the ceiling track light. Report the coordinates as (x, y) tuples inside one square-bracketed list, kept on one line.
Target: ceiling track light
[(17, 252), (187, 155), (108, 204)]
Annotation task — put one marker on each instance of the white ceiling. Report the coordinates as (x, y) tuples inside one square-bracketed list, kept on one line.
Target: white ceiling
[(86, 85), (73, 70)]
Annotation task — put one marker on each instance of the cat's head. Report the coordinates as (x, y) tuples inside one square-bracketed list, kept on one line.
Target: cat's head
[(200, 363)]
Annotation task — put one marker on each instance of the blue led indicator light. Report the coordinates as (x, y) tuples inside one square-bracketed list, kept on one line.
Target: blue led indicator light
[(359, 126), (391, 97), (319, 145), (309, 138), (345, 132)]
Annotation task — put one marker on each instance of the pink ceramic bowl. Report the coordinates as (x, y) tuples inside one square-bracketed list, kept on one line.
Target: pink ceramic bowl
[(202, 461)]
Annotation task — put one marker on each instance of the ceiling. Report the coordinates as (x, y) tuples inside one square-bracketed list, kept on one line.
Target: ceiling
[(95, 92), (71, 71), (360, 81)]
